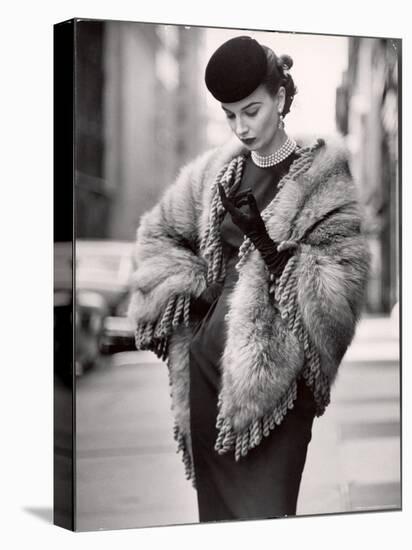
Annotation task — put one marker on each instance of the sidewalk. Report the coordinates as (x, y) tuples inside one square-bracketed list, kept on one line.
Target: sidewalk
[(353, 460)]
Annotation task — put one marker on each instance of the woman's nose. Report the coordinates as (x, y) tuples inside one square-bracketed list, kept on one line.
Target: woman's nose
[(241, 128)]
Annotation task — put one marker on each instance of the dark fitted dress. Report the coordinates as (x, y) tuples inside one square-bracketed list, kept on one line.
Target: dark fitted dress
[(265, 483)]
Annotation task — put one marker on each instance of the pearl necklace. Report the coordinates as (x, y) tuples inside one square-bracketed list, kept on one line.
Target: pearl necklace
[(275, 158)]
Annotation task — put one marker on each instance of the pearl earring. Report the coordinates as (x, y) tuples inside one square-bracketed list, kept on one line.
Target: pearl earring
[(281, 123)]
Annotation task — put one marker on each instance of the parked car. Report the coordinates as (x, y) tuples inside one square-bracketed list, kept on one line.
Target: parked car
[(118, 335), (103, 271), (63, 309), (105, 267)]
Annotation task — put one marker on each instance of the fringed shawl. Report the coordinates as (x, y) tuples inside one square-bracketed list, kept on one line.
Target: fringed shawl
[(277, 329)]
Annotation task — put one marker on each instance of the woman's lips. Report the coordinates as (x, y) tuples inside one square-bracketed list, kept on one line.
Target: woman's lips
[(248, 141)]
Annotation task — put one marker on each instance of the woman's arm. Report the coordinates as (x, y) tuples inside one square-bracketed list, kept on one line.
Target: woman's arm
[(167, 244), (332, 272)]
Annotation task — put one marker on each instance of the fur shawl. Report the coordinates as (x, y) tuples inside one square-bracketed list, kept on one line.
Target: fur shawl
[(274, 328)]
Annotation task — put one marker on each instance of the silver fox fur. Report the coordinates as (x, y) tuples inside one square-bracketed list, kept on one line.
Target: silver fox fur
[(262, 357)]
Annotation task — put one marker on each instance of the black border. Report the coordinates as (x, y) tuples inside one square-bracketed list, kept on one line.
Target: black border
[(64, 486), (399, 205), (246, 29)]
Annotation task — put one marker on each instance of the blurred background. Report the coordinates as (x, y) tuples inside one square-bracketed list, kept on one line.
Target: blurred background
[(142, 111)]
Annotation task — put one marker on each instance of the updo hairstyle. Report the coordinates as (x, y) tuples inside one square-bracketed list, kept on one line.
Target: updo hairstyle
[(277, 75)]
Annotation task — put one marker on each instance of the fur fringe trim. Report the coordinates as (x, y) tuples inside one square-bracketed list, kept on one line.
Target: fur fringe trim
[(154, 336), (284, 294), (186, 456), (242, 442)]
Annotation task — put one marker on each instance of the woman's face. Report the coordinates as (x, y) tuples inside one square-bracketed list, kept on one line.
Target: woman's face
[(255, 119)]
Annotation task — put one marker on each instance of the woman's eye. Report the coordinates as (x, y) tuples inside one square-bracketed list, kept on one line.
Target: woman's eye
[(230, 116), (253, 113)]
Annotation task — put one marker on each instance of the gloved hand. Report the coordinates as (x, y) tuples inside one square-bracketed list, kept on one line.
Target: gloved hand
[(200, 305), (250, 222)]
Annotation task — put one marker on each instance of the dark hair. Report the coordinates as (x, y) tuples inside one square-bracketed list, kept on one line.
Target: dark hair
[(275, 77)]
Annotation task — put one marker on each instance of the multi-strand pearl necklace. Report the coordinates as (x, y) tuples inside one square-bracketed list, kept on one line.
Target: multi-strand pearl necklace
[(270, 160)]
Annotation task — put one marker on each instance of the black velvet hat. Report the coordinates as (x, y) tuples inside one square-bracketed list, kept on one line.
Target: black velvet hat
[(236, 69)]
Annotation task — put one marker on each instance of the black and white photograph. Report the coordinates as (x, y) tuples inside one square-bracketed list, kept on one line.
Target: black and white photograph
[(234, 278)]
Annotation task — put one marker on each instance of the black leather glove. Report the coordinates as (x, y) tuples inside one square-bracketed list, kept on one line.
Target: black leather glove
[(199, 306), (250, 222)]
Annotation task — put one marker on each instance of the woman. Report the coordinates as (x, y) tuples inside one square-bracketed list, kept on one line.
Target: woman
[(250, 280)]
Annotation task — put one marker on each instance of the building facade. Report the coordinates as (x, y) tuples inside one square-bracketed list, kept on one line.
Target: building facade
[(139, 116), (367, 112)]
